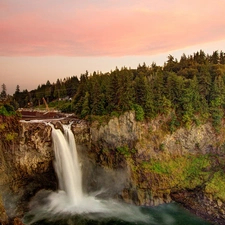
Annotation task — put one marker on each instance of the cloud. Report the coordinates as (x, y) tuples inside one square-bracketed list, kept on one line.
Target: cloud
[(144, 27)]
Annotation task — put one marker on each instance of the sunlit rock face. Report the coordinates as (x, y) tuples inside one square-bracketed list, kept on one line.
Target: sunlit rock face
[(35, 149), (147, 141), (164, 166)]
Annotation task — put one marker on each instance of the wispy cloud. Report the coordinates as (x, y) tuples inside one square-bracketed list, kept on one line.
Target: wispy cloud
[(112, 28)]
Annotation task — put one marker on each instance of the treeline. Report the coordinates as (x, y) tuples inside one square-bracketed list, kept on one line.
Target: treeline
[(191, 89), (51, 92)]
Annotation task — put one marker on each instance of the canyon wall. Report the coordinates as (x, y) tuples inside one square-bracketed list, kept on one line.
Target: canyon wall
[(143, 161), (186, 166)]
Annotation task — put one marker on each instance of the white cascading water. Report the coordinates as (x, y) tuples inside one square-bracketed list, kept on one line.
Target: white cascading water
[(67, 164), (70, 199)]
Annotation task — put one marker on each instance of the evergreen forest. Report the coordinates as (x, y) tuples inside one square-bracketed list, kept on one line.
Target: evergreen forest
[(189, 90)]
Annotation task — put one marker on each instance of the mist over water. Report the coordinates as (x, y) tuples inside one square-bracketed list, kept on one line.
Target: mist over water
[(70, 198), (71, 205)]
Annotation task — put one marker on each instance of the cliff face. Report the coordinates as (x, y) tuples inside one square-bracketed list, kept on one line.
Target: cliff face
[(26, 164), (152, 165), (186, 166)]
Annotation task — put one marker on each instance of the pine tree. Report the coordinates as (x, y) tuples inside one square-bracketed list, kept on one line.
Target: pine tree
[(158, 91), (171, 64), (217, 100), (144, 95), (204, 82), (72, 85), (190, 101), (200, 57), (112, 94), (80, 94), (166, 105), (63, 90), (85, 106), (183, 61), (215, 59), (97, 98), (17, 88), (3, 94), (222, 57), (173, 88), (187, 106), (57, 88), (48, 91), (126, 90)]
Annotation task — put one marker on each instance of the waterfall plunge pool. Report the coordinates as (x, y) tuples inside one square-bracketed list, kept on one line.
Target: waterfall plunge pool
[(71, 206), (167, 214)]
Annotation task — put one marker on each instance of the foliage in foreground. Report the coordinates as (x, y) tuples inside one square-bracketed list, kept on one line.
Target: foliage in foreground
[(7, 110)]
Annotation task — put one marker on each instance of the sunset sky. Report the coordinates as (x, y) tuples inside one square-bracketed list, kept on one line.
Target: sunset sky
[(44, 40)]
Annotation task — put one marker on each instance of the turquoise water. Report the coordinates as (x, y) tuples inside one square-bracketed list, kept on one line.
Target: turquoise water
[(168, 214)]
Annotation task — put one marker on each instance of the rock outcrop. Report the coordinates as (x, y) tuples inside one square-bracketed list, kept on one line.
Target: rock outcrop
[(26, 162)]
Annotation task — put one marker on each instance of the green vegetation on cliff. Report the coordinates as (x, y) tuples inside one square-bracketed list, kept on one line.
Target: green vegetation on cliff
[(125, 151), (187, 171), (8, 123), (216, 185), (7, 110)]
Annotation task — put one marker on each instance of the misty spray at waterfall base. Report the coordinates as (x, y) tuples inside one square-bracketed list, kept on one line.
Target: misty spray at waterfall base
[(70, 202), (75, 204)]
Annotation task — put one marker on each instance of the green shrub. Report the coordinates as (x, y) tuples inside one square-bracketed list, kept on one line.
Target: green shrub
[(216, 185), (10, 136), (114, 113), (3, 111), (124, 150), (173, 123), (162, 147), (7, 110), (100, 119), (139, 112), (66, 107), (155, 166), (217, 115), (2, 126)]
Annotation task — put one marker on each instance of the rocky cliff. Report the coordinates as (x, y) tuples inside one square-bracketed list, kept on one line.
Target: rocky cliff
[(153, 165), (186, 166), (26, 164)]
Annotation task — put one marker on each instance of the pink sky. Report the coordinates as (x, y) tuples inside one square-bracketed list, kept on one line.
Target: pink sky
[(44, 40)]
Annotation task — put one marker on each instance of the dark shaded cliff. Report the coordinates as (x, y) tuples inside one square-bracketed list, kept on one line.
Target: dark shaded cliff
[(26, 164)]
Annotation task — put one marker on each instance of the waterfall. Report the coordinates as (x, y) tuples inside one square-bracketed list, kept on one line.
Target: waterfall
[(70, 200), (67, 164)]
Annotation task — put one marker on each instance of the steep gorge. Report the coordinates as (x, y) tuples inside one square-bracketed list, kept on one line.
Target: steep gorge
[(186, 166), (154, 165)]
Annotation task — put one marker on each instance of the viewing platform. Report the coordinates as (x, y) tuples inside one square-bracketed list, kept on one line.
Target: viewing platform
[(27, 114)]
